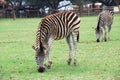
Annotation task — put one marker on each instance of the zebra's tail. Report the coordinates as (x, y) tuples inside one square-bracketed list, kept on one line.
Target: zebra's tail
[(78, 37)]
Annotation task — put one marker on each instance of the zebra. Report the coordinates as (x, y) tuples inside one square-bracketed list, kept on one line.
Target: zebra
[(56, 26), (105, 20)]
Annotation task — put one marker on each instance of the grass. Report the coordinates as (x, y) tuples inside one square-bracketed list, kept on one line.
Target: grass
[(95, 61)]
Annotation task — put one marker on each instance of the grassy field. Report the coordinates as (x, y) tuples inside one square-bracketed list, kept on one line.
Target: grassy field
[(95, 61)]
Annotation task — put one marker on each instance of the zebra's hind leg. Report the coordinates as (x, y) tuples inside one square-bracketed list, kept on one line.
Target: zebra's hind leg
[(109, 28), (105, 33), (74, 38), (70, 49)]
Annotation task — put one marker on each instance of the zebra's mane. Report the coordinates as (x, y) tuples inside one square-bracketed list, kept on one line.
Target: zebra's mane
[(38, 35)]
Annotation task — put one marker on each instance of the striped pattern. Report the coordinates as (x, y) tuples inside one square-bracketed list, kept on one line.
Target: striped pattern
[(54, 27), (105, 20), (57, 26)]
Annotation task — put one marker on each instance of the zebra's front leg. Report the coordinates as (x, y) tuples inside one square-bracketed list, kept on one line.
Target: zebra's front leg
[(70, 49), (105, 36), (48, 53), (102, 34), (109, 28), (49, 61), (48, 58)]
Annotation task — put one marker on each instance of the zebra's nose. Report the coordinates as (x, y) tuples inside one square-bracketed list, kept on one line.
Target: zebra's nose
[(41, 69), (97, 40)]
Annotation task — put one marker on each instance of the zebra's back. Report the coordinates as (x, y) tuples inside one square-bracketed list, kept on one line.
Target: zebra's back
[(106, 17), (60, 25)]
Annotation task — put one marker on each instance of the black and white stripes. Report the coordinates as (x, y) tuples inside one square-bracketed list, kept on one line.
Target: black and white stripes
[(105, 20), (58, 25), (54, 27)]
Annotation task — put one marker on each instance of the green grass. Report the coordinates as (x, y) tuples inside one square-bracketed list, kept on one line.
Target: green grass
[(95, 61)]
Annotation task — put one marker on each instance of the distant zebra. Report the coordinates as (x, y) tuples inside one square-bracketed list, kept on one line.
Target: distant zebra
[(105, 20), (55, 27)]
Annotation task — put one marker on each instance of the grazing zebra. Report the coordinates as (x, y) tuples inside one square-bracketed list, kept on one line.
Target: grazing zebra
[(55, 27), (105, 20)]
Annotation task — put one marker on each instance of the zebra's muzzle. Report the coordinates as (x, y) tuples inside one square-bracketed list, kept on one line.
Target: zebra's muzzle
[(97, 40), (41, 69)]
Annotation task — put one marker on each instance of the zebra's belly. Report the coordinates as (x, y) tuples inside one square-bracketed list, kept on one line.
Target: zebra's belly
[(60, 34), (58, 38)]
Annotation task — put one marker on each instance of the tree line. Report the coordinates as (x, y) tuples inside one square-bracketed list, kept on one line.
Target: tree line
[(52, 4)]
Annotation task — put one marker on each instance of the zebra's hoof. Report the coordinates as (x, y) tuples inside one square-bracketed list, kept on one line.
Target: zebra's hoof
[(105, 40), (48, 66), (74, 64), (97, 40), (69, 61)]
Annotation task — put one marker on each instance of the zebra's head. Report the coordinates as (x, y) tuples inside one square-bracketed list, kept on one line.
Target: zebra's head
[(39, 57)]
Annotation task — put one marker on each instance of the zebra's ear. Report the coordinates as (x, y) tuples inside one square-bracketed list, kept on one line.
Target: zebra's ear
[(34, 48), (112, 12)]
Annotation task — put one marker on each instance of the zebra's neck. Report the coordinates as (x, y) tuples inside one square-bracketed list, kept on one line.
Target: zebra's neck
[(41, 36), (98, 25)]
